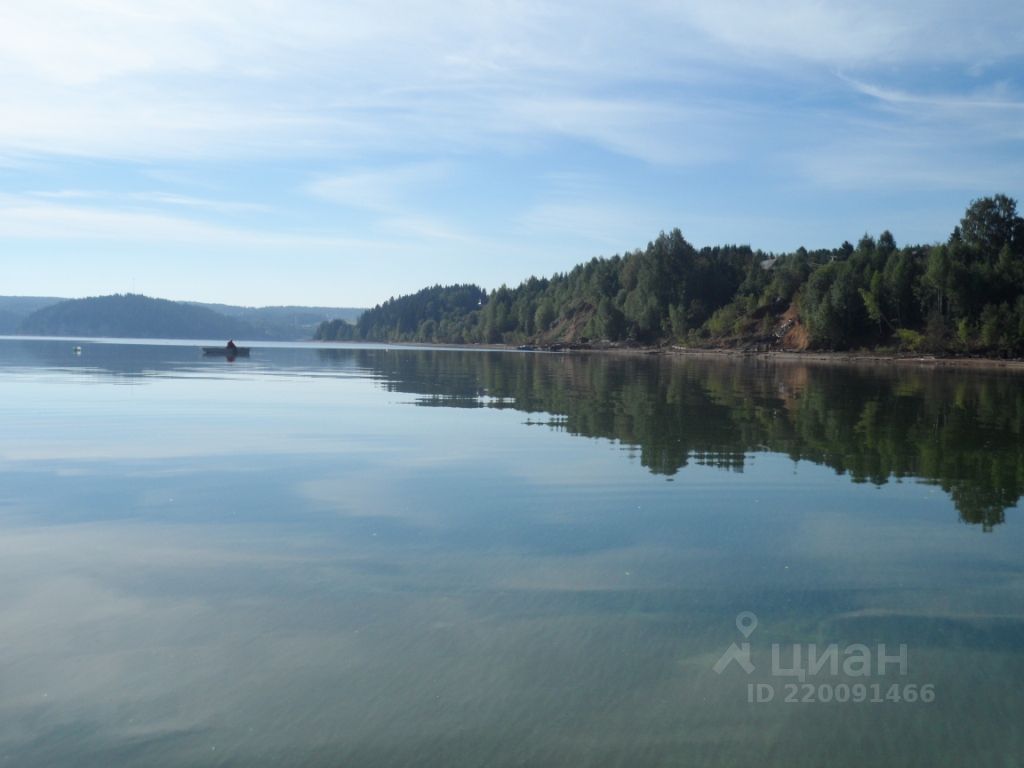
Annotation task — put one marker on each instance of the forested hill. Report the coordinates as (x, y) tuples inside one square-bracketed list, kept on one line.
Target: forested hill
[(132, 315), (963, 295)]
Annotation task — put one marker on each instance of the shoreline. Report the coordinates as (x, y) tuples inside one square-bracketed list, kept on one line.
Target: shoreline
[(824, 357), (776, 355), (857, 358)]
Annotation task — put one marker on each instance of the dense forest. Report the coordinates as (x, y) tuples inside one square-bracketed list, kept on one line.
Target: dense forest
[(965, 295)]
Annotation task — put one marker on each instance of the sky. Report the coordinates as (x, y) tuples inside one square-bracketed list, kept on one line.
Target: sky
[(341, 152)]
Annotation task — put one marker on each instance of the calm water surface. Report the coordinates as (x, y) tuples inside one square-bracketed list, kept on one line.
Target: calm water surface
[(395, 557)]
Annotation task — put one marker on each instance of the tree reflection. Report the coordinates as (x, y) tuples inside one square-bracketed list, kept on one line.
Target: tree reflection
[(960, 431)]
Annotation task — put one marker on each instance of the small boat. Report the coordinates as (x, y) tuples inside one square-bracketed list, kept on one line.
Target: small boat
[(226, 351)]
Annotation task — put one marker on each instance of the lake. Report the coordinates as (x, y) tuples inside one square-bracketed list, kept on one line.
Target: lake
[(372, 556)]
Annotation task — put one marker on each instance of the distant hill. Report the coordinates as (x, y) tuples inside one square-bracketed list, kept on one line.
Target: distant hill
[(14, 309), (9, 321), (133, 315), (287, 323)]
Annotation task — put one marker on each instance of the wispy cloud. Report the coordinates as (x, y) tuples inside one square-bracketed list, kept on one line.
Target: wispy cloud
[(906, 166), (155, 199), (861, 34), (395, 197), (998, 98), (30, 218), (608, 227), (920, 139), (664, 83), (655, 131), (382, 190), (184, 78)]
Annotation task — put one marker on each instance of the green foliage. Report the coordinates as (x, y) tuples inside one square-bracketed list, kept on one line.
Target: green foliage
[(965, 332), (936, 332), (608, 322), (544, 316), (832, 305), (991, 223), (723, 320), (874, 299), (909, 340)]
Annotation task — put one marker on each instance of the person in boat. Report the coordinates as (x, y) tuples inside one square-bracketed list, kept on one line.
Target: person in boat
[(231, 345)]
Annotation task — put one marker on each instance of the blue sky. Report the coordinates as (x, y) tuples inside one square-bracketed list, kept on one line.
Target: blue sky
[(308, 152)]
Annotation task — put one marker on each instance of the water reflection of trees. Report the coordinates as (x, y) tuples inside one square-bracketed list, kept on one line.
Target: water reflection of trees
[(961, 431)]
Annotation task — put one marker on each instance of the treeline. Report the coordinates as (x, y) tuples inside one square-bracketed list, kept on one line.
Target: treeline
[(964, 295)]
